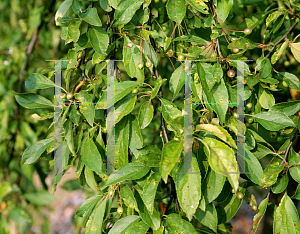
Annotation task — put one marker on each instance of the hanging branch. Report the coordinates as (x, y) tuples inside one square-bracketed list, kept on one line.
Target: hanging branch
[(156, 73), (216, 21), (282, 38)]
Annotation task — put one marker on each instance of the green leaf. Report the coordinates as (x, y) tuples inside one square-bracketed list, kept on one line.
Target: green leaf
[(266, 99), (286, 218), (5, 188), (218, 131), (261, 151), (292, 80), (33, 152), (191, 38), (125, 11), (252, 166), (149, 190), (227, 209), (295, 48), (138, 228), (124, 107), (32, 101), (41, 197), (263, 65), (73, 32), (208, 217), (218, 94), (131, 59), (128, 197), (294, 158), (280, 184), (261, 211), (297, 193), (223, 9), (90, 179), (94, 225), (274, 120), (130, 171), (105, 5), (99, 39), (87, 207), (149, 155), (170, 156), (135, 136), (175, 224), (62, 10), (38, 81), (288, 108), (150, 53), (121, 142), (176, 10), (71, 185), (90, 155), (177, 81), (86, 107), (212, 185), (199, 6), (91, 17), (169, 110), (122, 224), (152, 220), (69, 136), (270, 174), (146, 114), (222, 160), (188, 188)]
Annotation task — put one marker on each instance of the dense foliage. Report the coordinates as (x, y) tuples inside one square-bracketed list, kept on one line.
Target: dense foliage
[(153, 43)]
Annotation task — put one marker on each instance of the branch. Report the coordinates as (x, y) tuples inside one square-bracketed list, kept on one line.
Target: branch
[(288, 148), (216, 21), (282, 38), (155, 70)]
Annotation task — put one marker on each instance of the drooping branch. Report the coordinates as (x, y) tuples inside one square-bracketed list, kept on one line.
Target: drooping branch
[(216, 21), (156, 73), (282, 38)]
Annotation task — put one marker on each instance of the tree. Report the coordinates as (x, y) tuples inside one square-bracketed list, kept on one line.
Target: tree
[(158, 45)]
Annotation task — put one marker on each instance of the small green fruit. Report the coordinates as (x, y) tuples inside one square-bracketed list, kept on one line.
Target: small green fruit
[(273, 134), (279, 138), (235, 115), (250, 120), (134, 91), (247, 31), (176, 139), (140, 65), (170, 53), (235, 50), (69, 96), (120, 210), (240, 195), (164, 28), (231, 73), (232, 191), (148, 64), (254, 207), (249, 105), (130, 44), (286, 63), (180, 57), (284, 84), (104, 130)]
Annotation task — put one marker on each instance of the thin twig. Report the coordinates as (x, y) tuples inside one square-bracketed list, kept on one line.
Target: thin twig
[(288, 149), (216, 21), (282, 38), (163, 128)]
